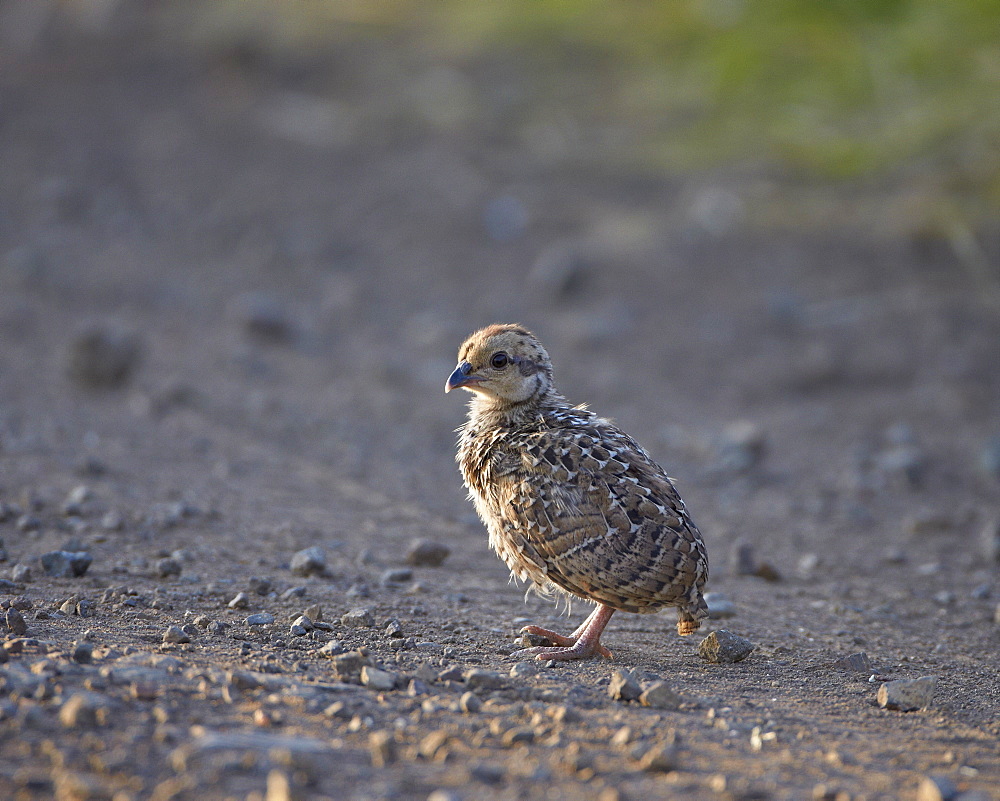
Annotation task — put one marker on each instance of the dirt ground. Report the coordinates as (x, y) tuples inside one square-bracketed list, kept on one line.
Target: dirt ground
[(284, 255)]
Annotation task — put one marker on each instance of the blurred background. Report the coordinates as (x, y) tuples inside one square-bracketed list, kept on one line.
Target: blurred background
[(763, 237)]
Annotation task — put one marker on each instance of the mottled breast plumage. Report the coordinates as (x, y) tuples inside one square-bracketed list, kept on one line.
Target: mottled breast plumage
[(574, 503)]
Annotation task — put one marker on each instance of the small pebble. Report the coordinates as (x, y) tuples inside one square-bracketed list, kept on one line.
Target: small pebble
[(724, 647), (376, 679), (28, 522), (936, 788), (260, 619), (112, 521), (382, 747), (309, 562), (741, 447), (469, 702), (175, 634), (623, 686), (427, 553), (83, 653), (482, 679), (84, 709), (719, 606), (396, 576), (241, 601), (659, 695), (907, 695), (359, 618), (66, 564), (15, 622), (659, 759), (167, 567), (855, 663), (259, 585), (264, 317), (523, 670), (21, 574)]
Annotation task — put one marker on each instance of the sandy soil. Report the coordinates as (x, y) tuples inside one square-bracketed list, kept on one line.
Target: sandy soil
[(285, 256)]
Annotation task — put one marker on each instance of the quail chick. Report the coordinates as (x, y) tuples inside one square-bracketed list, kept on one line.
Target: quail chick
[(571, 502)]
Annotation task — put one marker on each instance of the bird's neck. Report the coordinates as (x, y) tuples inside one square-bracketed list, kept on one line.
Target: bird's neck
[(489, 412)]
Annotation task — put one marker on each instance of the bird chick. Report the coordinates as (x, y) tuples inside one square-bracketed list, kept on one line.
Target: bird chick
[(571, 502)]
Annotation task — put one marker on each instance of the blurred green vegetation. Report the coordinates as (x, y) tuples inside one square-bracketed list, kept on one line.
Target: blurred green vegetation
[(900, 94)]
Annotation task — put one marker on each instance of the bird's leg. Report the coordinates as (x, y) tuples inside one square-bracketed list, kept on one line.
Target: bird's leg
[(560, 639), (583, 643)]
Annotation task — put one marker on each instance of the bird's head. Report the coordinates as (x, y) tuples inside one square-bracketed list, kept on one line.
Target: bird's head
[(503, 363)]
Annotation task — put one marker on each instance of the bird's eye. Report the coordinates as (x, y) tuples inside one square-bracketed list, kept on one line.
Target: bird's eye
[(500, 360)]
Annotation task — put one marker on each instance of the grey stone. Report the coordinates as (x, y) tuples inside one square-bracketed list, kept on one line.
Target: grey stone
[(260, 619), (482, 679), (623, 686), (469, 702), (167, 567), (259, 585), (724, 647), (348, 666), (112, 521), (937, 788), (21, 574), (28, 522), (855, 663), (741, 447), (393, 577), (103, 357), (332, 648), (83, 653), (360, 617), (376, 679), (309, 561), (742, 559), (382, 747), (659, 695), (907, 695), (264, 317), (15, 622), (240, 601), (427, 553), (719, 606), (905, 464), (523, 670), (84, 709), (659, 759), (66, 564), (176, 635)]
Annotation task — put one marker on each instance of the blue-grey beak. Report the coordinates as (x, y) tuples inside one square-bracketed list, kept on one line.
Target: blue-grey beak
[(462, 377)]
